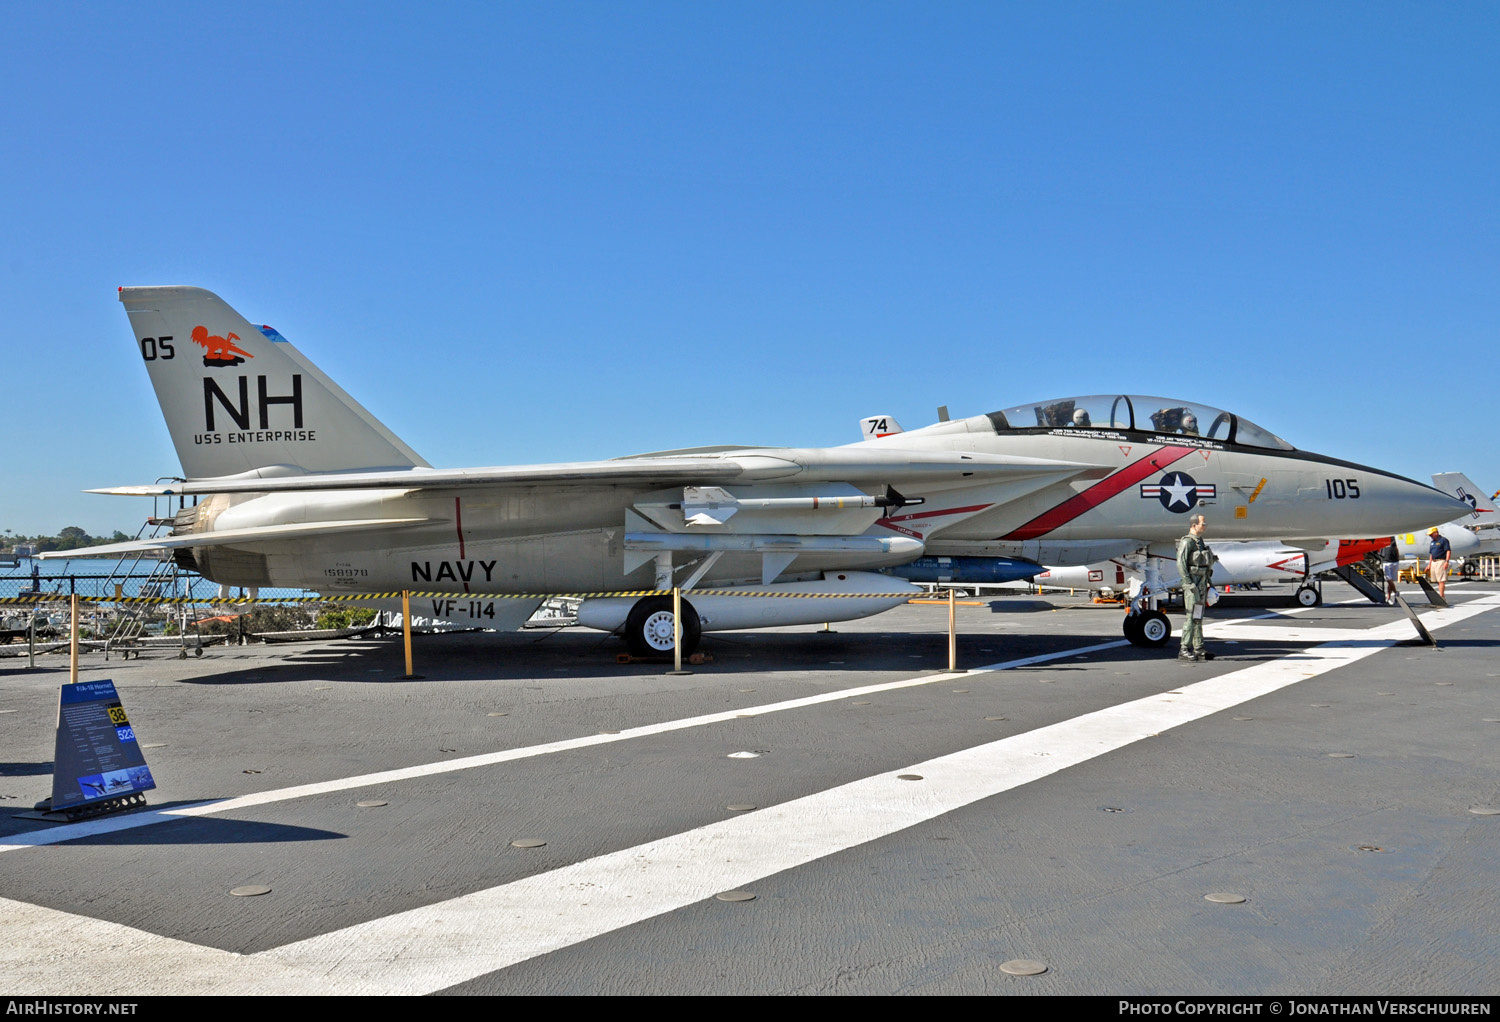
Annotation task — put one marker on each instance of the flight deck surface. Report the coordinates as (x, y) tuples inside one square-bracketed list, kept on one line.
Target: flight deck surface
[(902, 829)]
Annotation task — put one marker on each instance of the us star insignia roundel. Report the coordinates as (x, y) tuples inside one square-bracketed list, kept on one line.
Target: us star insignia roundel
[(1178, 492)]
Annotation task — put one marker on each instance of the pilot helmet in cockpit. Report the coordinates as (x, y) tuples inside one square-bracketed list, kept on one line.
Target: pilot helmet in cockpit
[(1167, 420), (1059, 413)]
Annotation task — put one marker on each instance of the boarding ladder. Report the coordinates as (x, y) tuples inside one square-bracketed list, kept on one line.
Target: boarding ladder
[(163, 579)]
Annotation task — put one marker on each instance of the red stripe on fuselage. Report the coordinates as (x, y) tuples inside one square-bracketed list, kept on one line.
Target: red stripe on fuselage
[(1104, 489), (458, 522)]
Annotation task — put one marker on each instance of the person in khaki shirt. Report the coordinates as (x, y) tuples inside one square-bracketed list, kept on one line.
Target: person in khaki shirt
[(1195, 565)]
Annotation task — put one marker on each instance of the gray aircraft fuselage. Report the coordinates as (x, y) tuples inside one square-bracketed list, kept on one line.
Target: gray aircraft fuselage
[(525, 539)]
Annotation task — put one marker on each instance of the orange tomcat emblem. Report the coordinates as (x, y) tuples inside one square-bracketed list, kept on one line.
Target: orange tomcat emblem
[(219, 351)]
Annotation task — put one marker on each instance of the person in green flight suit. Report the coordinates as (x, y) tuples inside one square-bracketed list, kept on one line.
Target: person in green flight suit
[(1195, 565)]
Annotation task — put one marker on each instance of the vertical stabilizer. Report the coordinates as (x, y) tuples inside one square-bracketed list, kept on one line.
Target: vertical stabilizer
[(238, 397), (1458, 484)]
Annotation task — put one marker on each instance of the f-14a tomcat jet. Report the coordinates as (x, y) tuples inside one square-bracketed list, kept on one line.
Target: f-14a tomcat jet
[(302, 487)]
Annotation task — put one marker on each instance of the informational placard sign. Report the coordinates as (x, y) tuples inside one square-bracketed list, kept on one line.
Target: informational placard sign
[(97, 755)]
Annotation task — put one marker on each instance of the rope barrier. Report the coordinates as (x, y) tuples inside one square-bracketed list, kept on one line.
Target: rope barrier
[(75, 602), (220, 601)]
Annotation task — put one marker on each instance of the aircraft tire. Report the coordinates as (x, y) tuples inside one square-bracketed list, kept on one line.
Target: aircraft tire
[(1470, 570), (1308, 596), (1155, 629), (1149, 629), (648, 628)]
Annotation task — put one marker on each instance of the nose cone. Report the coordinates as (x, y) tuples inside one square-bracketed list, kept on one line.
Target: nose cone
[(1390, 504)]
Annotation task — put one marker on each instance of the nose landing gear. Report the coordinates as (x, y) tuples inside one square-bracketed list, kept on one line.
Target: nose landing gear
[(1148, 628)]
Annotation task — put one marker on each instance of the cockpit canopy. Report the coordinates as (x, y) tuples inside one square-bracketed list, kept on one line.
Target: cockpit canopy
[(1135, 412)]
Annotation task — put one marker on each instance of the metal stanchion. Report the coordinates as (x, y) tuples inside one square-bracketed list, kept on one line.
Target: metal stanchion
[(677, 632), (953, 667), (406, 634), (73, 640), (31, 642)]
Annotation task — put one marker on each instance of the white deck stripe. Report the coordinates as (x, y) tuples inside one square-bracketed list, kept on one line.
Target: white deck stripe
[(50, 953), (432, 948)]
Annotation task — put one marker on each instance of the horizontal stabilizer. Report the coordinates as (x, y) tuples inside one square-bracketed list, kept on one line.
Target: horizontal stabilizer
[(239, 537)]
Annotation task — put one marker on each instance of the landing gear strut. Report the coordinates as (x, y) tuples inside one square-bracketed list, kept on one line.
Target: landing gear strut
[(1144, 624), (648, 628)]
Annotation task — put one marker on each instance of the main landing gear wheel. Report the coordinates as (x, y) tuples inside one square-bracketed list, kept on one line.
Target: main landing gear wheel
[(1149, 628), (1308, 596), (648, 628)]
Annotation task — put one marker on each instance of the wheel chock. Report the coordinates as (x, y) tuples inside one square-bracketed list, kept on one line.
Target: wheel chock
[(693, 658)]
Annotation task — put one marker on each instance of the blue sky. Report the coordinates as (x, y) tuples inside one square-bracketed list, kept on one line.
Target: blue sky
[(535, 232)]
